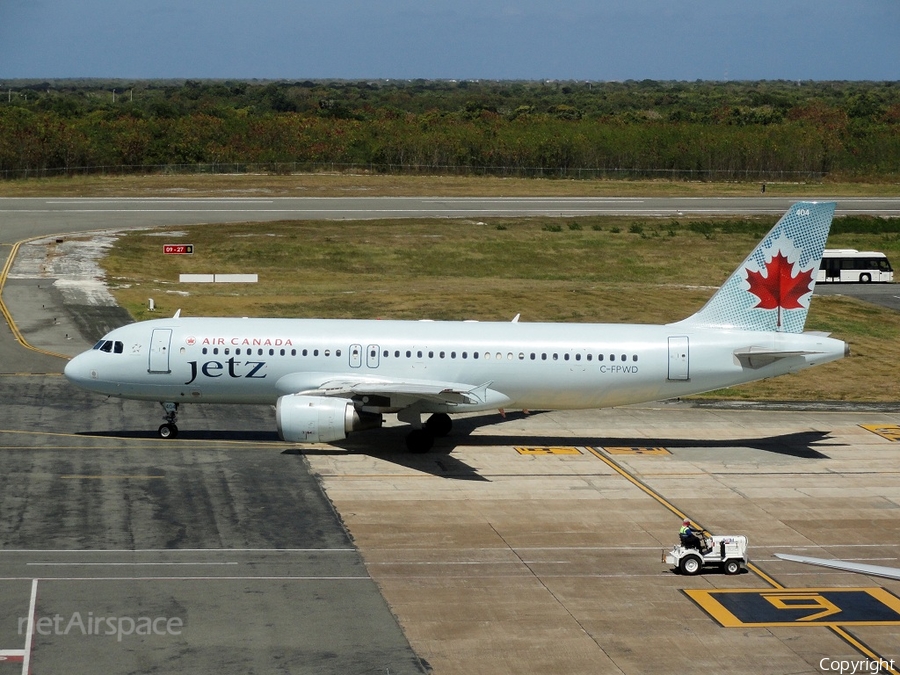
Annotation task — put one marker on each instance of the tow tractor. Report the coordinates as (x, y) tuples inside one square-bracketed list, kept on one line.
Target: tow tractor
[(726, 551)]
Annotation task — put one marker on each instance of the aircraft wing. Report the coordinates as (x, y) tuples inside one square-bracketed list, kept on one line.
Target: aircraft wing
[(403, 392), (859, 568)]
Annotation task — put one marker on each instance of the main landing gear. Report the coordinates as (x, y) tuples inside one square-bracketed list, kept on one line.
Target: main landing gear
[(169, 429), (421, 439)]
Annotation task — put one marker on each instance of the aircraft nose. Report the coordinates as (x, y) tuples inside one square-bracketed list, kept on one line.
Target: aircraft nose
[(77, 370)]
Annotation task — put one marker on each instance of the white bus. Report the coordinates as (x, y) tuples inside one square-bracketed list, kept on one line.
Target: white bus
[(848, 264)]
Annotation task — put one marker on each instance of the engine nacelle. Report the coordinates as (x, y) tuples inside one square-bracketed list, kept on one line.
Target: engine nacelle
[(317, 419)]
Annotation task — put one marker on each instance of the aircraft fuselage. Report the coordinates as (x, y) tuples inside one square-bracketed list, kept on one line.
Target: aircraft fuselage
[(534, 365)]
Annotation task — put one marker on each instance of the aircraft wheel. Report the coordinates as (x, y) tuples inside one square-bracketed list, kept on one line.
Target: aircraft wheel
[(731, 567), (419, 440), (439, 424), (168, 430), (690, 565)]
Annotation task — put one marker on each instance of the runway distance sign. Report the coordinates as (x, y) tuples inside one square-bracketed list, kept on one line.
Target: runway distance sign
[(889, 431), (795, 607), (178, 249)]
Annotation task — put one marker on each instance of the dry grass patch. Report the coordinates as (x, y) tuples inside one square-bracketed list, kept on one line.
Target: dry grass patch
[(377, 185)]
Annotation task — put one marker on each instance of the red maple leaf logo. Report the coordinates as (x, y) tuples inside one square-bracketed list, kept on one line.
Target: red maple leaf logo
[(779, 288)]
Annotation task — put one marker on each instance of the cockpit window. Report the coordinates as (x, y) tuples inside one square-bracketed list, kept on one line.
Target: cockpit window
[(109, 346)]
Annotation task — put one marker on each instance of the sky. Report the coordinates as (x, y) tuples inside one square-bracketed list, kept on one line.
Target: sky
[(599, 40)]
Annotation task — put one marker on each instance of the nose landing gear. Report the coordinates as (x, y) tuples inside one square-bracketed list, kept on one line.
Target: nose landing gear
[(169, 429)]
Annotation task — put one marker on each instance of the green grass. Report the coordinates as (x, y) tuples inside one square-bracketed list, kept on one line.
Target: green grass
[(462, 269)]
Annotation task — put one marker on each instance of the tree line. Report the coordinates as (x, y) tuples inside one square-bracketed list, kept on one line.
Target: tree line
[(733, 130)]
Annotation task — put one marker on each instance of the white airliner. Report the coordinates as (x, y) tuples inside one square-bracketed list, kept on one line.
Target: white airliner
[(327, 378)]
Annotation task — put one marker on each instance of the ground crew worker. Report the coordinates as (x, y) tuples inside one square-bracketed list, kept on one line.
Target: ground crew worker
[(690, 536)]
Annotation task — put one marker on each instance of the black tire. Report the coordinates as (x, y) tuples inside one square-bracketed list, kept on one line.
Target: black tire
[(419, 440), (865, 278), (731, 567), (690, 565), (439, 424), (168, 430)]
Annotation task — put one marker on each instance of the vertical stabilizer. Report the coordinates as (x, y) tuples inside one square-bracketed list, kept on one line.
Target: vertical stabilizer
[(771, 289)]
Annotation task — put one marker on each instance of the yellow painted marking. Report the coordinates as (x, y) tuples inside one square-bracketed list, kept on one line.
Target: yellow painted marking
[(31, 374), (549, 450), (812, 604), (154, 442), (4, 310), (622, 472), (765, 577), (803, 600), (109, 476), (888, 431), (636, 451)]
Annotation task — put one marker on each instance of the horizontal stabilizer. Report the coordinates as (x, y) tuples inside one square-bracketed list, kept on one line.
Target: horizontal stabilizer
[(758, 357), (846, 566)]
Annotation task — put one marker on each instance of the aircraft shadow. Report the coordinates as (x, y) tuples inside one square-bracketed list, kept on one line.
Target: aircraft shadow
[(389, 444), (799, 445)]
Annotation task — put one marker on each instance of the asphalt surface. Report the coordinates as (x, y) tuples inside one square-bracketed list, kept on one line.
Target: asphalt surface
[(31, 217), (226, 532), (886, 295)]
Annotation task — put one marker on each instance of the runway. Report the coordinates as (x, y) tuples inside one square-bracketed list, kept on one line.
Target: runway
[(31, 217), (529, 545)]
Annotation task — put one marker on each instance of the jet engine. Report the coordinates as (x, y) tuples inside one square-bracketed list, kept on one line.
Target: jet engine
[(317, 419)]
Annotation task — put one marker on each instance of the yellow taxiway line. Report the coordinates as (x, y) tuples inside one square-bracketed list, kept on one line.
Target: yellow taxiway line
[(4, 273)]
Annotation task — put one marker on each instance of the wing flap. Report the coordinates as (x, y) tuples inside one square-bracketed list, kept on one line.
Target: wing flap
[(446, 393), (439, 392)]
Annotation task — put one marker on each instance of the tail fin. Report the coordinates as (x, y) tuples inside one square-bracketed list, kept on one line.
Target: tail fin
[(771, 289)]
